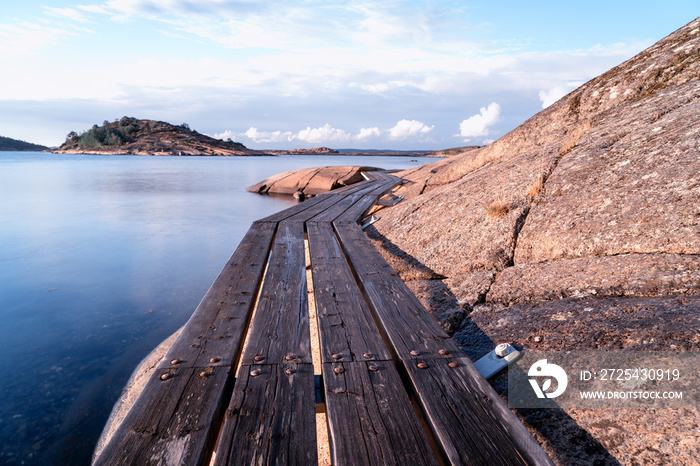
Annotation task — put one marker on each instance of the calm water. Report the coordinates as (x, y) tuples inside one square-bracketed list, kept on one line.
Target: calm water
[(101, 258)]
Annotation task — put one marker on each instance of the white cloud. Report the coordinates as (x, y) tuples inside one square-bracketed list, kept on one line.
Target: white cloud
[(549, 97), (324, 134), (17, 40), (262, 136), (69, 13), (408, 128), (183, 7), (93, 9), (478, 125), (368, 133), (327, 134)]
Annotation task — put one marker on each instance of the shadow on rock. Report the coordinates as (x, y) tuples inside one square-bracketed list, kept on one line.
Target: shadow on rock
[(564, 440)]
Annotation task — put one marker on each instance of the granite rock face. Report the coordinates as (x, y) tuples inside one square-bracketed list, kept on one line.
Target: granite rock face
[(580, 230), (310, 181)]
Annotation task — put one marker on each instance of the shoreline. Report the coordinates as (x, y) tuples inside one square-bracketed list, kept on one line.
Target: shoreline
[(131, 391)]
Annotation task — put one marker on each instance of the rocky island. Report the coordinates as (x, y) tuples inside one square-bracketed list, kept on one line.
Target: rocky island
[(148, 137)]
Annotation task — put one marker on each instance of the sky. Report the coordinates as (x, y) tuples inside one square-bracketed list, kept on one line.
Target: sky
[(405, 75)]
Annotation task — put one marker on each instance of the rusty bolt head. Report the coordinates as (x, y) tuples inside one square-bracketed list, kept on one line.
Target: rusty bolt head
[(175, 362), (289, 371), (259, 357), (204, 374), (337, 356), (415, 353), (444, 352), (339, 370), (453, 364), (290, 357), (215, 359), (422, 365), (255, 372), (373, 368), (166, 376), (368, 355)]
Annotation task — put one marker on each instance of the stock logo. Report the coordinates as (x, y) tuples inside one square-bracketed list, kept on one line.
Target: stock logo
[(543, 369)]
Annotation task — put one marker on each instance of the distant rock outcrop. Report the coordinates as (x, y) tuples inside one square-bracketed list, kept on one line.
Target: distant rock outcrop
[(9, 144), (578, 230), (307, 182), (314, 151), (148, 137)]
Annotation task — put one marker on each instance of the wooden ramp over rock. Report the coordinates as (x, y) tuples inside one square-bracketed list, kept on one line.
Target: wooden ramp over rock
[(237, 387)]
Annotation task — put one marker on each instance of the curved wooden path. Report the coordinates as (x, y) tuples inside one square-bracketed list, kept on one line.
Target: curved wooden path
[(238, 387)]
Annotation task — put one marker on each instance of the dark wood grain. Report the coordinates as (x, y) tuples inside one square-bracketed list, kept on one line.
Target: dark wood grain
[(174, 421), (470, 421), (179, 418), (345, 203), (346, 325), (271, 418), (281, 322), (217, 327), (403, 318), (328, 198), (370, 418), (360, 208)]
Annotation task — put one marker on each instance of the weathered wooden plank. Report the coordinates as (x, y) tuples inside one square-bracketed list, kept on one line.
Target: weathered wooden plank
[(329, 202), (286, 213), (407, 325), (355, 213), (471, 421), (217, 327), (346, 327), (370, 418), (178, 418), (348, 201), (327, 197), (281, 323), (271, 418), (173, 421), (416, 337)]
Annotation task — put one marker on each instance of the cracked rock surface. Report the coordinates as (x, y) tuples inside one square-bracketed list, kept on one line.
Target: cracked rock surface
[(579, 230)]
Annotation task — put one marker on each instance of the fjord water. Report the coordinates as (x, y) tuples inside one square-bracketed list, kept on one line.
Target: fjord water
[(101, 258)]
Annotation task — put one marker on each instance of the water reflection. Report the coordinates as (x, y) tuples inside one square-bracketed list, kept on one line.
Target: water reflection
[(101, 258)]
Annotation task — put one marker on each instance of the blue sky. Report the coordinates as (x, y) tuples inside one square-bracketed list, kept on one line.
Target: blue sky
[(273, 74)]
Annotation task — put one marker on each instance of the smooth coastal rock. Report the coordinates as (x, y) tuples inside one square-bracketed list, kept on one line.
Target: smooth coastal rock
[(132, 390), (579, 230), (308, 182)]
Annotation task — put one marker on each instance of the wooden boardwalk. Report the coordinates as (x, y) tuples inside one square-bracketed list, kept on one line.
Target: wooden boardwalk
[(238, 386)]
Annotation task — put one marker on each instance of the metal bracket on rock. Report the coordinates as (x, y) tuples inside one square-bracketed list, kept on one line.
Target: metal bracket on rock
[(498, 359), (369, 221)]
